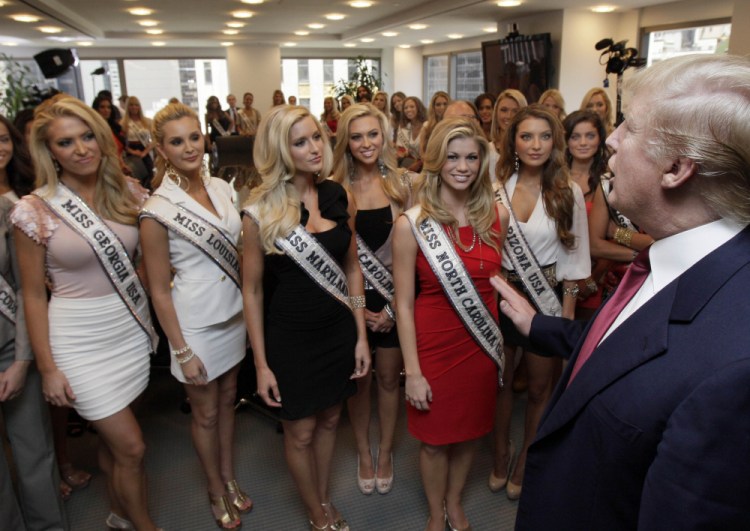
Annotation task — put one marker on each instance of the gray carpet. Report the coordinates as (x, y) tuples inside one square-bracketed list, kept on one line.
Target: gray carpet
[(178, 499)]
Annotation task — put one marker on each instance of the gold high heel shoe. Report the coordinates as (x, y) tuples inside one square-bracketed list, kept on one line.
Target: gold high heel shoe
[(339, 524), (228, 517), (238, 498)]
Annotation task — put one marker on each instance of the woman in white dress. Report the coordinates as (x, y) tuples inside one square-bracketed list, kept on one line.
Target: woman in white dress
[(200, 307), (92, 340), (551, 216)]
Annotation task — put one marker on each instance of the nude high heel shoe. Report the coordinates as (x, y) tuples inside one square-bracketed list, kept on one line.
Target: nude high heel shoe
[(495, 483)]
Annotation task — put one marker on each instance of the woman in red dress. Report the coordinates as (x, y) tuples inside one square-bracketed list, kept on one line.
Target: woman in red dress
[(451, 383)]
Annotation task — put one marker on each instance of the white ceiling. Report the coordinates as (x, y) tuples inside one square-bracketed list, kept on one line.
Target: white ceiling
[(199, 23)]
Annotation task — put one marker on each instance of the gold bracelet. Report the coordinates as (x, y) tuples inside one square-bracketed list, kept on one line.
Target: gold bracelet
[(623, 236), (357, 301), (572, 292)]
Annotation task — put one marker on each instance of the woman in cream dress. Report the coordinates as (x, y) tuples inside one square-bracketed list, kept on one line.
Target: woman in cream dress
[(200, 309)]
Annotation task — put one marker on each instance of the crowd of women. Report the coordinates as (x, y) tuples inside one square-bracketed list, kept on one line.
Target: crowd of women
[(367, 248)]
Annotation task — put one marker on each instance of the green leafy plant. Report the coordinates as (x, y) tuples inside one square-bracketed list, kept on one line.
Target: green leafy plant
[(16, 85), (363, 76)]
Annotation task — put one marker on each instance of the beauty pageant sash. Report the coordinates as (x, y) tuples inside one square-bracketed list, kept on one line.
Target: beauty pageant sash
[(204, 235), (525, 263), (312, 258), (458, 286), (374, 271), (614, 214), (8, 304), (109, 250)]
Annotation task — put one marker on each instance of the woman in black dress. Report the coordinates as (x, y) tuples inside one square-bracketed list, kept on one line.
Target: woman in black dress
[(312, 341), (365, 163)]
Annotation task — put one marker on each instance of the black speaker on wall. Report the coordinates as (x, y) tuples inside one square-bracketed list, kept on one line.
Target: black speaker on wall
[(55, 62)]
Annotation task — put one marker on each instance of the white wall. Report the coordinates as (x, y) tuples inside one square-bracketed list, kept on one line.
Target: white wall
[(408, 71), (579, 65), (255, 69), (690, 10), (739, 41)]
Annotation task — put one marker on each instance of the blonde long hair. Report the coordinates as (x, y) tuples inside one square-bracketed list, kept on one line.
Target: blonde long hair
[(276, 198), (113, 199), (173, 111), (344, 164), (496, 134), (141, 119), (597, 91), (432, 117), (481, 211)]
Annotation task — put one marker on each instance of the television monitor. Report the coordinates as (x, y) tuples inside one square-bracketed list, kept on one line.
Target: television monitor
[(523, 63)]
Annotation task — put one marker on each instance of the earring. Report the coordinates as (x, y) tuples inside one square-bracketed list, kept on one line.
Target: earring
[(56, 164), (205, 174), (350, 164), (172, 174), (382, 167), (516, 162)]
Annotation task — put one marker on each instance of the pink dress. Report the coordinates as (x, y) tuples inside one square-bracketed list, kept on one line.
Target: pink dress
[(95, 341)]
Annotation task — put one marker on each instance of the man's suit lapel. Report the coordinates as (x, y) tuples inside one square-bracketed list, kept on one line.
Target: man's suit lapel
[(639, 339), (645, 334)]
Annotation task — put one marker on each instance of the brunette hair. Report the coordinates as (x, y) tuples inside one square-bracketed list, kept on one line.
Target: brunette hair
[(19, 169), (601, 157), (557, 193)]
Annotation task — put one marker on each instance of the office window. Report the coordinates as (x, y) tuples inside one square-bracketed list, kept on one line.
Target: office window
[(662, 43), (459, 74), (468, 75), (100, 74), (312, 80), (192, 81), (436, 75)]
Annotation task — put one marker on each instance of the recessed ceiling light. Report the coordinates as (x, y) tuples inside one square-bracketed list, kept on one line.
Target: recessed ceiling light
[(404, 45), (316, 25), (389, 34), (427, 41), (360, 3), (148, 23), (290, 44), (455, 36), (154, 31), (140, 11), (230, 32), (417, 26), (236, 24), (302, 33), (49, 29), (227, 43), (603, 9), (25, 17), (242, 14), (252, 2), (84, 43), (158, 43), (367, 39), (9, 43), (490, 29), (350, 45), (509, 3), (335, 16)]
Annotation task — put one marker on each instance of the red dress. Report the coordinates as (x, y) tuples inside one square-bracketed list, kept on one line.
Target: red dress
[(463, 379)]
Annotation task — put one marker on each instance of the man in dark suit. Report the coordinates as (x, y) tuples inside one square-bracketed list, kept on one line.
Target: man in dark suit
[(649, 427)]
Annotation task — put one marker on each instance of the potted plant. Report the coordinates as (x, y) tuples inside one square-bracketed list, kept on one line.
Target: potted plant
[(364, 76), (16, 85)]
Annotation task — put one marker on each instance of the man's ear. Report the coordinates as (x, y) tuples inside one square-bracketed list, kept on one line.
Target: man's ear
[(679, 173)]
